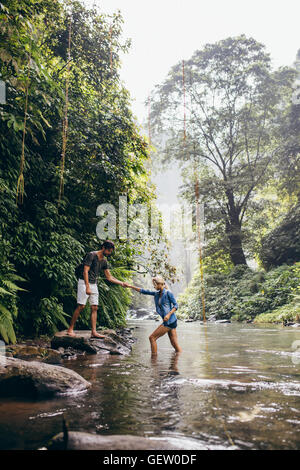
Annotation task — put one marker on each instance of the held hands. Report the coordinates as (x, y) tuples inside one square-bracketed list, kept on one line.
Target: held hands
[(125, 284)]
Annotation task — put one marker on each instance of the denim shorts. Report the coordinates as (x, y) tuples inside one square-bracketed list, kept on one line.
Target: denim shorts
[(171, 325)]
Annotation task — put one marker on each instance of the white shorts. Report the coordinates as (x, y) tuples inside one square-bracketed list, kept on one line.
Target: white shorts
[(82, 295)]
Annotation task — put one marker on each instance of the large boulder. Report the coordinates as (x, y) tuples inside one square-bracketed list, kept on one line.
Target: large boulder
[(113, 343), (142, 312), (85, 441), (38, 380)]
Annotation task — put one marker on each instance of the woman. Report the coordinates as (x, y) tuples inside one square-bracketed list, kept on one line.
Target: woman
[(166, 306)]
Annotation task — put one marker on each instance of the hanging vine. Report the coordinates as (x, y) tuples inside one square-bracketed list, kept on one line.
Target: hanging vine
[(65, 120), (20, 182)]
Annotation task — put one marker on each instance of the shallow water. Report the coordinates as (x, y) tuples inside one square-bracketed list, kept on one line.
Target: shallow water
[(233, 385)]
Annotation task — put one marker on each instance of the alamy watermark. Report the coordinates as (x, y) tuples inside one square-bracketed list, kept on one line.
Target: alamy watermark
[(2, 353), (138, 220), (296, 354), (2, 92), (296, 84)]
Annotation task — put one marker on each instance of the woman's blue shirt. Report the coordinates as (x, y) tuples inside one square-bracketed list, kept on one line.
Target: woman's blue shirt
[(168, 301)]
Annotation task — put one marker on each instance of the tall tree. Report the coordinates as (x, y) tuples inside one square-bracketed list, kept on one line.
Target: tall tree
[(231, 98)]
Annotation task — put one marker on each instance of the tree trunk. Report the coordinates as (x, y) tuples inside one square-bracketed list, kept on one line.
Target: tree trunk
[(234, 232), (235, 244)]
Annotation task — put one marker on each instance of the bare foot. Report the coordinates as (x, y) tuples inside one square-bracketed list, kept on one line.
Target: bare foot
[(97, 335), (71, 333)]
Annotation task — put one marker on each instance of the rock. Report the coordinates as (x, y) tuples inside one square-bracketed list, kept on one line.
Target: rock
[(70, 353), (35, 353), (113, 343), (288, 323), (189, 320), (296, 325), (36, 379), (53, 357), (142, 309), (126, 334), (223, 321), (212, 318), (151, 316), (142, 312), (86, 441), (131, 314)]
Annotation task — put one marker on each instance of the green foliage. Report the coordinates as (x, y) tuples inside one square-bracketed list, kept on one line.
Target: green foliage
[(282, 245), (51, 317), (8, 295), (105, 156), (287, 312), (235, 103), (241, 294)]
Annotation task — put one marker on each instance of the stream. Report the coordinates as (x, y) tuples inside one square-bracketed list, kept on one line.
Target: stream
[(233, 386)]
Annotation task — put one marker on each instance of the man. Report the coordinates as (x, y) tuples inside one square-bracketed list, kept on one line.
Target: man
[(87, 284)]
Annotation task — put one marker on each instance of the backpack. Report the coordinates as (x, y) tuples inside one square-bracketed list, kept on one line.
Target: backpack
[(79, 269)]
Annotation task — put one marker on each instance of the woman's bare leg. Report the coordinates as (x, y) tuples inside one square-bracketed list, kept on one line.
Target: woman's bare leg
[(160, 331), (173, 339)]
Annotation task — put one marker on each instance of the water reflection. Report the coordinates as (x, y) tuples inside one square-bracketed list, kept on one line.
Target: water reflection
[(231, 384)]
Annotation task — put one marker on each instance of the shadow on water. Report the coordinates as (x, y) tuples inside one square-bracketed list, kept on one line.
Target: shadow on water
[(232, 384)]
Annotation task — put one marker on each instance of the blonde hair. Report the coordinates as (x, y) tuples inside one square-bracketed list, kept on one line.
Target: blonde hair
[(161, 280)]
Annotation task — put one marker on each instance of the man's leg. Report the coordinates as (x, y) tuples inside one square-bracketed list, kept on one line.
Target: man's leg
[(94, 300), (174, 341), (94, 334), (160, 331), (76, 314)]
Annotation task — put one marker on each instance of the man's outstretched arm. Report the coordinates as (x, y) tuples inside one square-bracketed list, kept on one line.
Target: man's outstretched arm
[(112, 279)]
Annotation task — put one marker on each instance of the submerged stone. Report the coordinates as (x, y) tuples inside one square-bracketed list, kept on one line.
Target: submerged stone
[(86, 441), (38, 380)]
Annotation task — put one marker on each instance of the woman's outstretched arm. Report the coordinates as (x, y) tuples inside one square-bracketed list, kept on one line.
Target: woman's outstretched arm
[(140, 289)]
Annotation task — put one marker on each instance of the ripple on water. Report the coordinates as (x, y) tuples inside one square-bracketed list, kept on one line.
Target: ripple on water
[(287, 388), (48, 415), (270, 351)]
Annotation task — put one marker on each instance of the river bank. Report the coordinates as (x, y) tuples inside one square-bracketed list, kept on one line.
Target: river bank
[(35, 369), (54, 350), (244, 295)]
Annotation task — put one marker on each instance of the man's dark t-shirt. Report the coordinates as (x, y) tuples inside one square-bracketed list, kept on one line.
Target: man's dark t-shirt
[(91, 259)]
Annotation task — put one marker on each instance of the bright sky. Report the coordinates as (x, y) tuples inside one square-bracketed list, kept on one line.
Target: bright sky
[(164, 32)]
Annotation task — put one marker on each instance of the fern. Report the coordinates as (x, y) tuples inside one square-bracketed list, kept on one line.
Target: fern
[(8, 299), (10, 285), (51, 316), (6, 325)]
